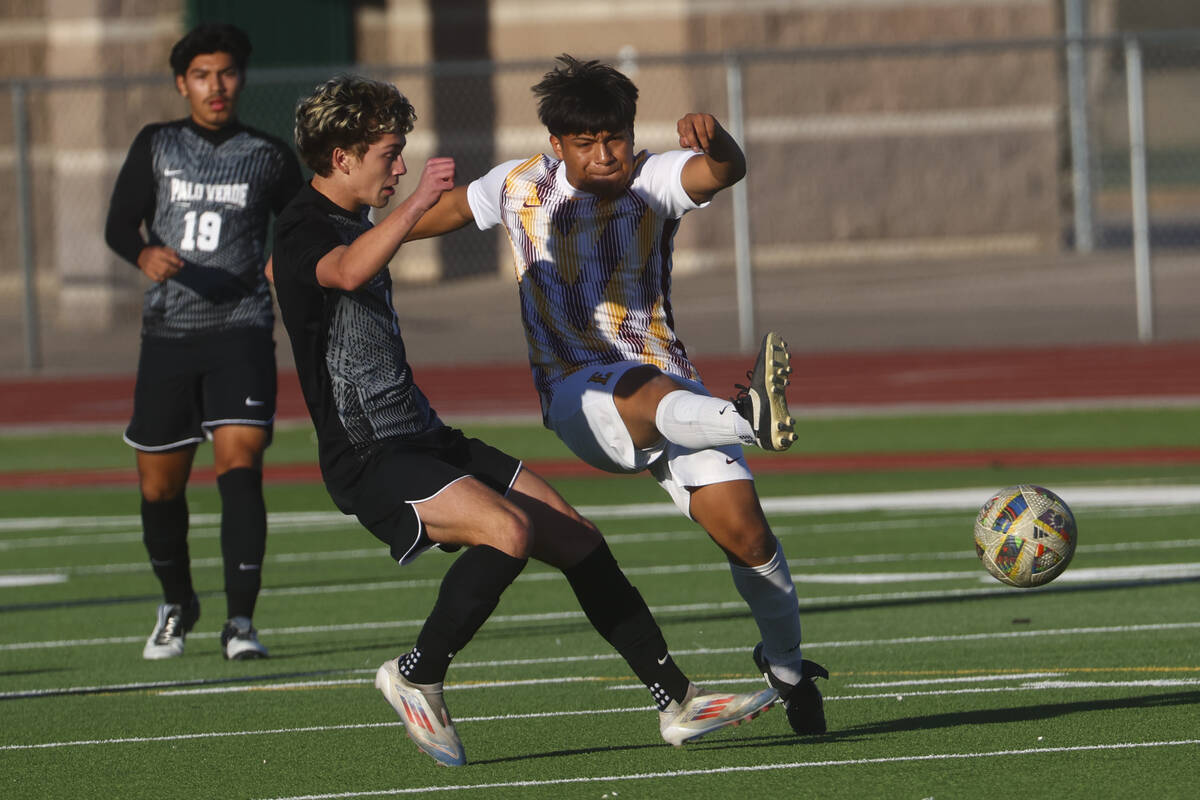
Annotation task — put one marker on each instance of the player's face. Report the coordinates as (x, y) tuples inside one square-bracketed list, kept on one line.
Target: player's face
[(375, 175), (600, 162), (211, 86)]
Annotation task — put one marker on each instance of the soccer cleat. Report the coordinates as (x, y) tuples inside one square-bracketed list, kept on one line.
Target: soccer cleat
[(170, 628), (423, 711), (703, 712), (763, 403), (802, 701), (239, 640)]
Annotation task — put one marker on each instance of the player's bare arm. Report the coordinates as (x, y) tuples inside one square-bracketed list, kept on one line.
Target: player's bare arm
[(451, 212), (159, 263), (723, 163), (350, 267)]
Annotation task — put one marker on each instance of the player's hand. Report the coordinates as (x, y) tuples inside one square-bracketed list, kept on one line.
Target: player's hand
[(697, 131), (436, 178), (159, 263)]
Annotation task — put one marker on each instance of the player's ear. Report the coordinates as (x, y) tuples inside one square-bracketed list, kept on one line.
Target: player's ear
[(342, 160), (556, 146), (181, 85)]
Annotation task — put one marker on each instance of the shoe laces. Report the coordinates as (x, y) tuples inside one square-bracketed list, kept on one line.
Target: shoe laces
[(743, 392), (170, 628)]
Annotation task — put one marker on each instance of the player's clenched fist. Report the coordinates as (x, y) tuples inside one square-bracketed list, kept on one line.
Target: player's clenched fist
[(159, 263), (697, 131)]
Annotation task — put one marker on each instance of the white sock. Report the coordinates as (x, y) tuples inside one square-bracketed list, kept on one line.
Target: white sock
[(769, 591), (698, 421)]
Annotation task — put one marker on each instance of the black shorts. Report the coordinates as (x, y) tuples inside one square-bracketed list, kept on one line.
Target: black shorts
[(187, 387), (403, 472)]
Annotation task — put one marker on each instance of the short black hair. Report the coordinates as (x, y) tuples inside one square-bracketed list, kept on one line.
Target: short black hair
[(212, 37), (585, 97)]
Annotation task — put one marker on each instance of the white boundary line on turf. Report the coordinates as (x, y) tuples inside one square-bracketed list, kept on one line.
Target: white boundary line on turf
[(656, 610), (1117, 496), (522, 662), (687, 773)]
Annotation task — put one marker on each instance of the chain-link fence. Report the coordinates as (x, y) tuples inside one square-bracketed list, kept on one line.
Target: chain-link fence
[(901, 155)]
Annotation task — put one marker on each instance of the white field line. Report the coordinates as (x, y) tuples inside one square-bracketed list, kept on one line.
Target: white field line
[(1078, 497), (749, 768), (886, 696), (963, 679), (263, 687), (610, 656), (58, 574), (656, 610)]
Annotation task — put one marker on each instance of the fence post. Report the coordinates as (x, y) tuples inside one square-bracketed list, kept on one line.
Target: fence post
[(1081, 151), (1137, 188), (33, 347), (741, 211)]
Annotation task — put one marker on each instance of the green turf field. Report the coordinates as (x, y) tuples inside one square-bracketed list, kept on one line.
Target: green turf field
[(945, 683)]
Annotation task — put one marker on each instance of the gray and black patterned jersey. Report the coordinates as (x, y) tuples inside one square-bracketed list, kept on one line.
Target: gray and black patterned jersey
[(208, 195), (348, 349)]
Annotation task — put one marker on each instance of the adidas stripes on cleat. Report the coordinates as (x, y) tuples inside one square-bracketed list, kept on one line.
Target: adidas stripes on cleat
[(424, 714), (763, 402), (703, 712), (170, 629), (802, 701)]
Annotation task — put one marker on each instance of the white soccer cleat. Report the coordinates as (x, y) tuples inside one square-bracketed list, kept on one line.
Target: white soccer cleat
[(763, 403), (170, 629), (703, 712), (239, 640), (424, 713)]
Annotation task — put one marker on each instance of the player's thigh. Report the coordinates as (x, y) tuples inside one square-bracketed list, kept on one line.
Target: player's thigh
[(731, 514), (392, 494), (166, 397), (584, 415), (239, 383)]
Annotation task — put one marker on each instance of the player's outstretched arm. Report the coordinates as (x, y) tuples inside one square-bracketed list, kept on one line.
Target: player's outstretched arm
[(451, 212), (723, 163), (350, 267)]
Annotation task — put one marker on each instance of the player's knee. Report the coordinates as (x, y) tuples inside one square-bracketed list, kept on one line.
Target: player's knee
[(159, 490), (751, 547), (512, 532)]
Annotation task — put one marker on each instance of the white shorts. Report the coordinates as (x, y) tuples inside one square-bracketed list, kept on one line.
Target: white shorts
[(584, 415)]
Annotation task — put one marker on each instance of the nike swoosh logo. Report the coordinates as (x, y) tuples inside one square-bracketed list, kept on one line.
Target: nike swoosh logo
[(663, 660), (170, 172), (730, 460), (249, 567), (250, 402)]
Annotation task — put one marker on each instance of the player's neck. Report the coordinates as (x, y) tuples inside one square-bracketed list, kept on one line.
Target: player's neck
[(335, 190)]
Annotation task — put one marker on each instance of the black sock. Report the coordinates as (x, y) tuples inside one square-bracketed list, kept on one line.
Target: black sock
[(243, 538), (164, 532), (468, 595), (618, 613)]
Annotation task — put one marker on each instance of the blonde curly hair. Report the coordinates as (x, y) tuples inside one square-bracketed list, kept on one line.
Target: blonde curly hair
[(350, 112)]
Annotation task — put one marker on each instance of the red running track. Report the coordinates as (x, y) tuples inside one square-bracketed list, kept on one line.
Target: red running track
[(876, 379)]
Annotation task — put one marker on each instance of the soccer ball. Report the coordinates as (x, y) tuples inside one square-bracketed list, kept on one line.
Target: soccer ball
[(1025, 535)]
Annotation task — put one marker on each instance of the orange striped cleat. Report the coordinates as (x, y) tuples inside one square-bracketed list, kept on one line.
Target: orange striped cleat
[(703, 712), (424, 713)]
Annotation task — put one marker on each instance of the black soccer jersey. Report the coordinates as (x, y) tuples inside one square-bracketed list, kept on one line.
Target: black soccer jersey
[(208, 196), (349, 353)]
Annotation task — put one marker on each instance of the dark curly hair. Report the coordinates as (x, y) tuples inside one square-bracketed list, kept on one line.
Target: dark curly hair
[(585, 97), (215, 37)]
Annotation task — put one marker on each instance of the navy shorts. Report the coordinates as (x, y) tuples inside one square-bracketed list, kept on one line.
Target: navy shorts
[(186, 387), (401, 473)]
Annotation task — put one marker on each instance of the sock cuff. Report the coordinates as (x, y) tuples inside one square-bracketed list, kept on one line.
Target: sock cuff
[(240, 478), (776, 563)]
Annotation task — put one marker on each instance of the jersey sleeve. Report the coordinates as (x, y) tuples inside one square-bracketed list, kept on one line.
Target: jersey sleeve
[(132, 200), (483, 194), (661, 181), (300, 242)]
